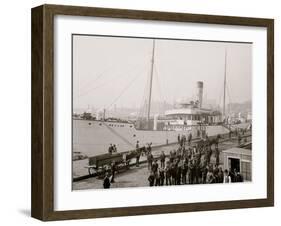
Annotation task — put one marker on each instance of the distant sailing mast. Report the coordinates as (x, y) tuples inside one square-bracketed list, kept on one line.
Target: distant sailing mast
[(150, 83), (224, 84)]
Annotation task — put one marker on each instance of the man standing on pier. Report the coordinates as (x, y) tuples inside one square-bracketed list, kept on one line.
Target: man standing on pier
[(114, 148), (162, 160), (154, 166), (184, 171), (151, 179), (149, 149), (113, 170), (149, 160), (138, 154), (168, 173), (162, 176), (106, 181), (110, 149)]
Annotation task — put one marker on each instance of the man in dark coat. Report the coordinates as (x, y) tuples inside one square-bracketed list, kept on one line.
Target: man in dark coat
[(184, 171), (110, 149), (168, 174), (151, 179), (114, 148), (113, 170), (154, 166), (162, 176), (138, 154), (208, 155), (106, 181), (220, 175), (231, 174), (191, 172), (162, 159), (173, 171), (157, 178), (239, 177), (205, 169), (197, 172), (149, 149), (149, 160), (216, 174), (178, 174)]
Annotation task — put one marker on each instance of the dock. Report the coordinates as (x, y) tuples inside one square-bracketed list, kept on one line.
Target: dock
[(137, 176)]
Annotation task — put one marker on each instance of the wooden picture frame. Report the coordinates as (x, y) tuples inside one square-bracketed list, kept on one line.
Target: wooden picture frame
[(43, 111)]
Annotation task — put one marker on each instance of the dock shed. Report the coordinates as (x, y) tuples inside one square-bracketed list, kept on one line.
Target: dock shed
[(239, 159)]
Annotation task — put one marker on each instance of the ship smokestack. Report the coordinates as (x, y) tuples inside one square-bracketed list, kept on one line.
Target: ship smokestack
[(200, 93), (155, 122)]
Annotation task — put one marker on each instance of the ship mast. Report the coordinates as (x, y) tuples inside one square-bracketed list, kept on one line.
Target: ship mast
[(150, 83), (224, 85)]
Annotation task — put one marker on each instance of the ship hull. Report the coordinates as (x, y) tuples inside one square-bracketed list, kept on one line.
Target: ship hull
[(92, 137)]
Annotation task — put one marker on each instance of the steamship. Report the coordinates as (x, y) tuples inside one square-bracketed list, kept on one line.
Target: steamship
[(93, 136)]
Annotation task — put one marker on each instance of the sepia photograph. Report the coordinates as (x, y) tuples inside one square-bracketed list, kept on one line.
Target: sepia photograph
[(172, 110), (150, 112)]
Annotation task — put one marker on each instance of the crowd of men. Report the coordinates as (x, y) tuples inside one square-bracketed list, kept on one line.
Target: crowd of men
[(190, 165)]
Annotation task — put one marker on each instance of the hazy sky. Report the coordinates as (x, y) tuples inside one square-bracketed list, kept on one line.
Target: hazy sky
[(112, 70)]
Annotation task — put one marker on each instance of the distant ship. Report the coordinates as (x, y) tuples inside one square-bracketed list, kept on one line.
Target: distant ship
[(93, 136)]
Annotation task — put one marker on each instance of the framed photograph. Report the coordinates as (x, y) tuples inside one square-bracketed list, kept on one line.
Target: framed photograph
[(142, 112)]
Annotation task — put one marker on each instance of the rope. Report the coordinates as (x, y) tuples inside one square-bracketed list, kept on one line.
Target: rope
[(90, 89), (142, 109), (108, 81), (92, 81), (158, 83), (123, 91)]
